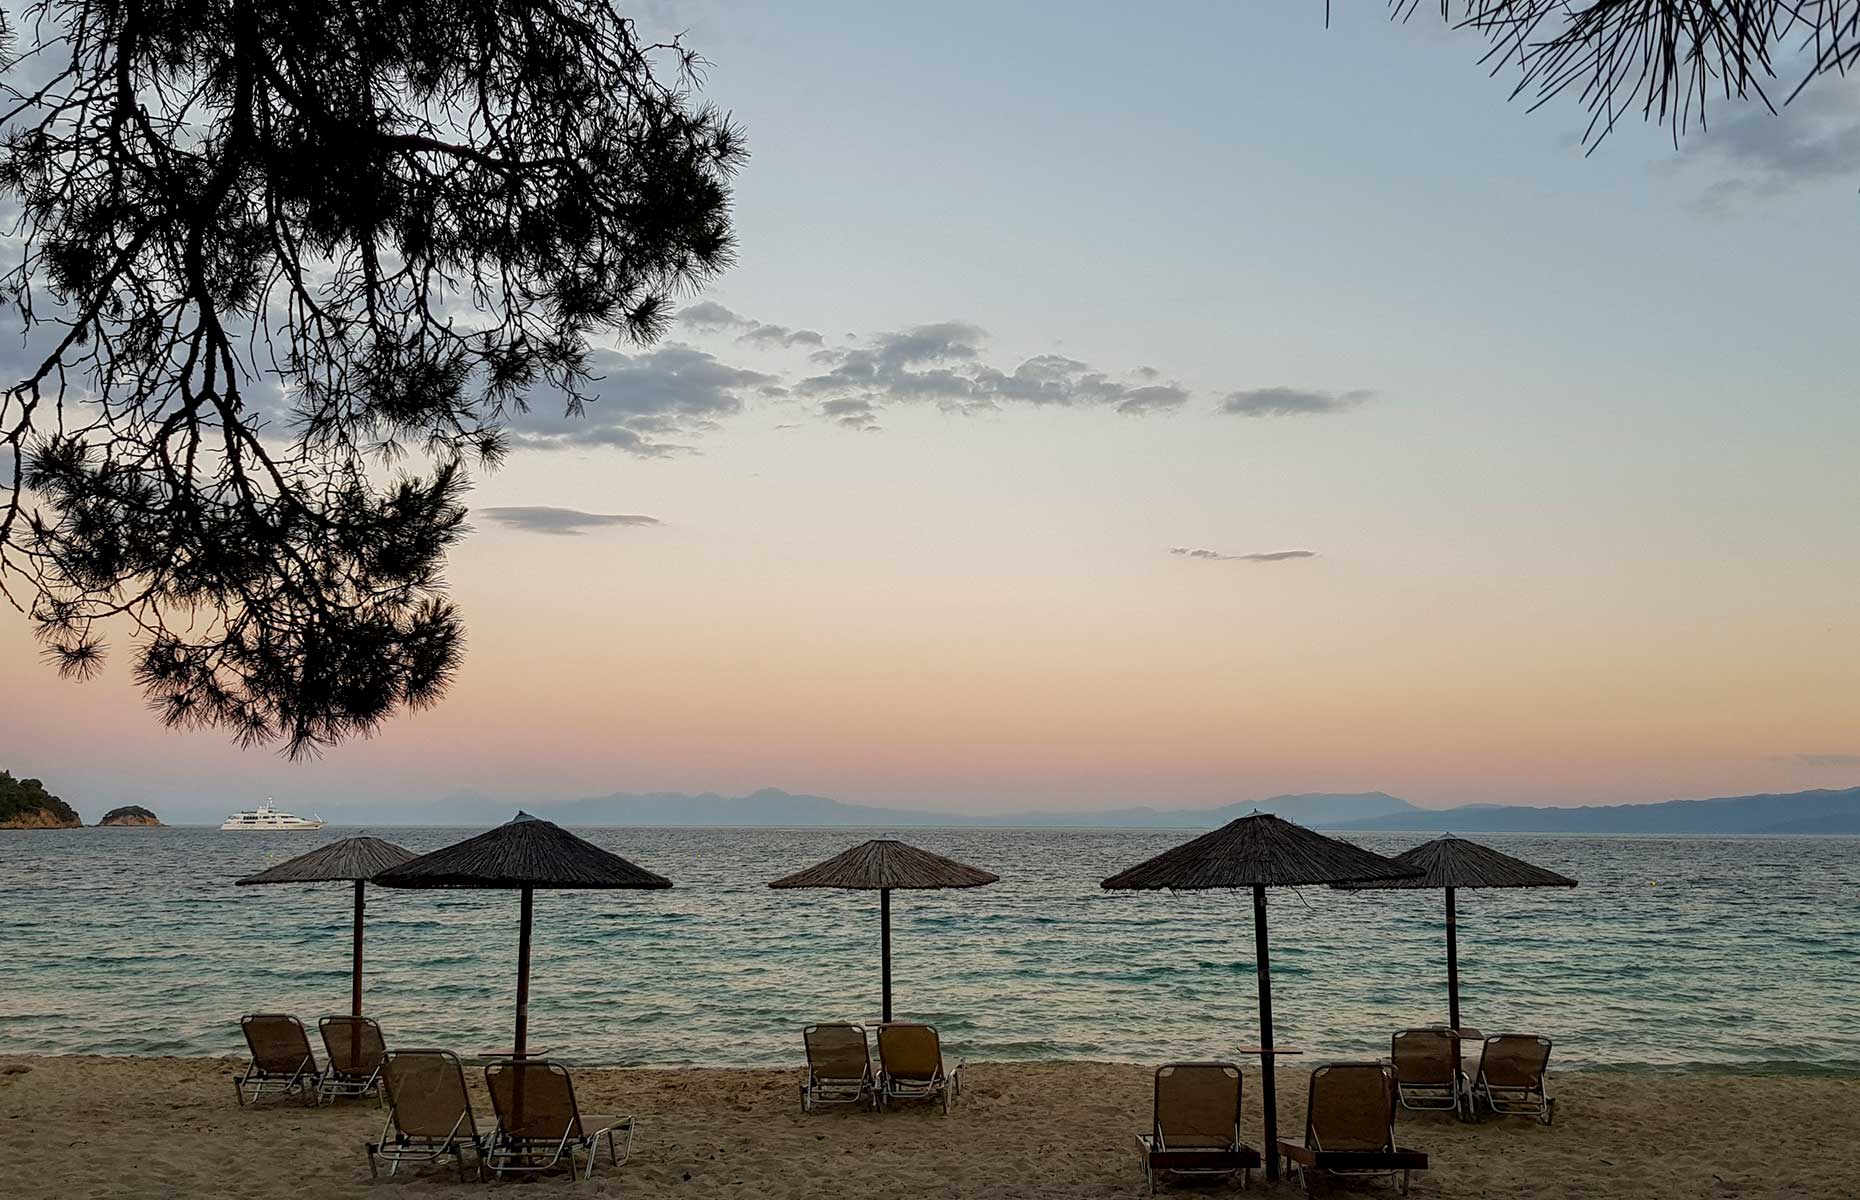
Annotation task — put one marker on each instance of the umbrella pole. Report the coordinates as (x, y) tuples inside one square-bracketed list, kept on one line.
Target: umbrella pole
[(1266, 1058), (523, 975), (884, 945), (355, 984), (1453, 985), (1453, 965)]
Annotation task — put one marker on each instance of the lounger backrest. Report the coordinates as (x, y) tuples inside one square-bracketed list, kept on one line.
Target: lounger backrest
[(534, 1099), (837, 1051), (1515, 1060), (278, 1042), (426, 1091), (353, 1044), (1351, 1107), (1197, 1105), (1422, 1056), (910, 1051)]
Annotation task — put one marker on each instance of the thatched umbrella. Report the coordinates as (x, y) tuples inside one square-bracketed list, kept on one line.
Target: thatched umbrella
[(1453, 863), (526, 853), (1258, 852), (883, 864), (357, 860)]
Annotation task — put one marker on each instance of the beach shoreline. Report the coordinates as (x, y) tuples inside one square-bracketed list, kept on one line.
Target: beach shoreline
[(91, 1126)]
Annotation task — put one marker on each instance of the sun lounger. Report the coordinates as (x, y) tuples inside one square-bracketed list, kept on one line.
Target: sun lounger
[(354, 1052), (1350, 1126), (1426, 1075), (1195, 1124), (1514, 1076), (281, 1059), (839, 1067), (539, 1125), (429, 1112), (911, 1067)]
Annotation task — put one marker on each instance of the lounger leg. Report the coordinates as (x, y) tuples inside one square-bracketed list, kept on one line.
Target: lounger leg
[(1404, 1183)]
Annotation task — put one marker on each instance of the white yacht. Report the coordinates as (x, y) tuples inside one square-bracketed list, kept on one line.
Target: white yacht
[(267, 817)]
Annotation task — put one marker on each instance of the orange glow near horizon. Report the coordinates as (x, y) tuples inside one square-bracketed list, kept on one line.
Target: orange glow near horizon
[(892, 679)]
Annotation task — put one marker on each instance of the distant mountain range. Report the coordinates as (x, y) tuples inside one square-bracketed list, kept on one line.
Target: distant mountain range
[(774, 807), (1821, 811)]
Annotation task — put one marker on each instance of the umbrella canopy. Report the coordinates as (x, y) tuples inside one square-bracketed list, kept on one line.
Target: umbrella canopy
[(884, 863), (881, 865), (356, 860), (1454, 862), (1258, 852), (525, 853), (1451, 863)]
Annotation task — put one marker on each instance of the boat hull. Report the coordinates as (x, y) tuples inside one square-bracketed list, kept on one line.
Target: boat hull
[(273, 825), (266, 817)]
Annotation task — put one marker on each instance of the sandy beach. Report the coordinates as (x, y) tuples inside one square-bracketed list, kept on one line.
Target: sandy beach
[(134, 1127)]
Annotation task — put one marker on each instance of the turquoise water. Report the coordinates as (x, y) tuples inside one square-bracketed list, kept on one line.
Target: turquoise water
[(1737, 952)]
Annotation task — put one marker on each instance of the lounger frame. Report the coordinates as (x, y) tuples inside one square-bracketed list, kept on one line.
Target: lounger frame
[(1311, 1156), (1159, 1158), (819, 1089), (514, 1154), (944, 1082), (300, 1076), (1529, 1099), (396, 1146), (336, 1082), (1429, 1095)]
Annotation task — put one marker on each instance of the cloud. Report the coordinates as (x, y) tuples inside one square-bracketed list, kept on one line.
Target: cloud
[(641, 399), (853, 414), (1217, 556), (1161, 398), (1758, 155), (781, 335), (563, 522), (1290, 402), (1820, 760), (707, 316), (942, 363)]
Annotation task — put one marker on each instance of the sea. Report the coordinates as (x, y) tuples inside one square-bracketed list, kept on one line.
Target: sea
[(1735, 954)]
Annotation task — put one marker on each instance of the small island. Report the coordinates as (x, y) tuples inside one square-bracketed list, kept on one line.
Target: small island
[(25, 804), (130, 814)]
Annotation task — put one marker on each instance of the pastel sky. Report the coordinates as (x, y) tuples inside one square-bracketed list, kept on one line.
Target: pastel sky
[(1056, 330)]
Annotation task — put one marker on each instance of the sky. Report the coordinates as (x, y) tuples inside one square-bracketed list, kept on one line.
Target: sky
[(1173, 408)]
